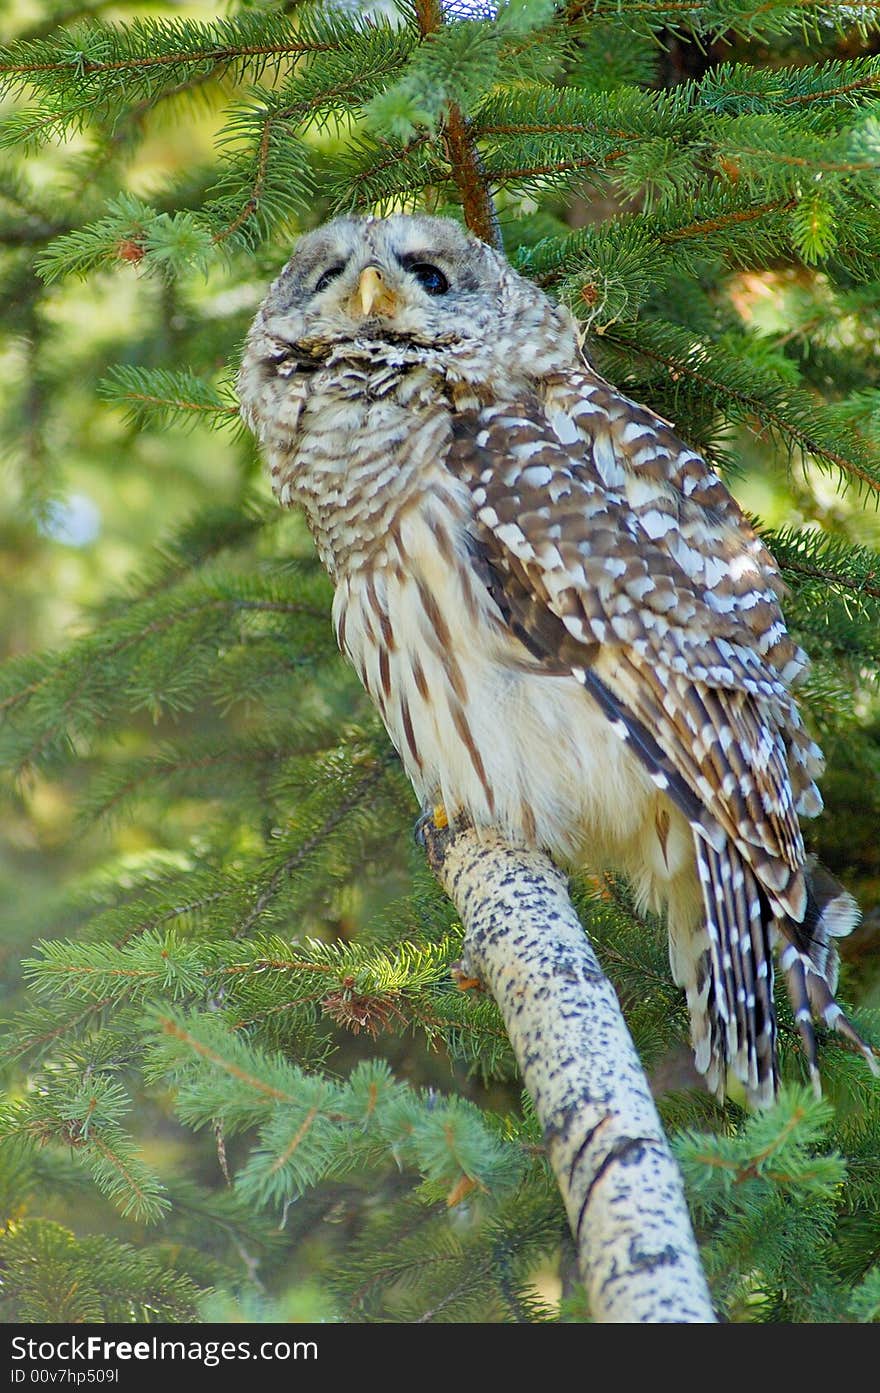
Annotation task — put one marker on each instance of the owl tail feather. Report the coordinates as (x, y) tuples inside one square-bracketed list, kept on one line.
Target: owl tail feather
[(729, 984), (809, 961), (743, 1034)]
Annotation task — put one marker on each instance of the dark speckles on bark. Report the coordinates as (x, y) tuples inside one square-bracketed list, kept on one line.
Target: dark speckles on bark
[(589, 1137), (625, 1151), (604, 1139), (647, 1262)]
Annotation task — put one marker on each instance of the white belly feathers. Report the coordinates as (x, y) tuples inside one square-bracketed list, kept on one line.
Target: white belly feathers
[(478, 727)]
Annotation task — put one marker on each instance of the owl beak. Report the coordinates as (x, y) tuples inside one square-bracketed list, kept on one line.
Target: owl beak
[(372, 296)]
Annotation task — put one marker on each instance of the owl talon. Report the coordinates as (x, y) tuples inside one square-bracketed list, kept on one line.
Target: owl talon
[(433, 833), (436, 819)]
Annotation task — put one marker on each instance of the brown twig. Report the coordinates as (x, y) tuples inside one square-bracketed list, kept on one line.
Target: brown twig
[(462, 152), (709, 225), (800, 568)]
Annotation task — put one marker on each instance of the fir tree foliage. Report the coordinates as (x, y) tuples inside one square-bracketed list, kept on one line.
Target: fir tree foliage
[(240, 1080)]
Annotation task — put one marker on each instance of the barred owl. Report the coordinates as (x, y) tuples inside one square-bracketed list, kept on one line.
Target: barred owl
[(569, 629)]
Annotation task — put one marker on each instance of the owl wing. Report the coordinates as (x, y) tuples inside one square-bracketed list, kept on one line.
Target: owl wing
[(616, 555), (664, 603)]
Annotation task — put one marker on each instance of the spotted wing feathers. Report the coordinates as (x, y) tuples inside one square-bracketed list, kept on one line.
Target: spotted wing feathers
[(617, 555), (692, 677), (742, 973)]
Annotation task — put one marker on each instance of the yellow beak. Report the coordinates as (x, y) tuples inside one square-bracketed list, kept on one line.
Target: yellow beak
[(373, 295)]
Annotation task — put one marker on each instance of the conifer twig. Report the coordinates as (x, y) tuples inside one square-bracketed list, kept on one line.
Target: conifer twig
[(619, 1182), (461, 148)]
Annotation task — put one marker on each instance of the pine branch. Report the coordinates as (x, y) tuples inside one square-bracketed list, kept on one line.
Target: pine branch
[(312, 1128), (765, 1192), (88, 1120), (461, 149), (53, 1277), (285, 868), (132, 661), (130, 232), (737, 87), (155, 394), (770, 18), (149, 48), (826, 559), (381, 173), (266, 176)]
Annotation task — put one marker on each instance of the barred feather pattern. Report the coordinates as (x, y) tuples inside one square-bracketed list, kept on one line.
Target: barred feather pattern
[(567, 625)]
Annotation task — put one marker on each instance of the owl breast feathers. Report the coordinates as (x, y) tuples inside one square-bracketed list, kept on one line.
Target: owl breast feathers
[(570, 631)]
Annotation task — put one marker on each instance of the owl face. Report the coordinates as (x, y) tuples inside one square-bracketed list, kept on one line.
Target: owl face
[(412, 283)]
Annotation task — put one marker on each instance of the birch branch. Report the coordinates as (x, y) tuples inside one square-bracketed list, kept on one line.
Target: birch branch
[(620, 1184)]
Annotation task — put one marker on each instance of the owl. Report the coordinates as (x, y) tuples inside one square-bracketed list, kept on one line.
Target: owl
[(568, 627)]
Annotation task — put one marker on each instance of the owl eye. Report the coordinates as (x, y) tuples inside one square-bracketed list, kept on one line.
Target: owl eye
[(429, 277), (329, 275)]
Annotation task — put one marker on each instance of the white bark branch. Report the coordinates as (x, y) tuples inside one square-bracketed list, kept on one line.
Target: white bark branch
[(620, 1184)]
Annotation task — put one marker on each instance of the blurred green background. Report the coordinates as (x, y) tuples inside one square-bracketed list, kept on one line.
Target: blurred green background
[(97, 507)]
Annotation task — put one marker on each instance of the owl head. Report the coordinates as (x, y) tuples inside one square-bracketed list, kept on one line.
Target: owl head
[(410, 289)]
